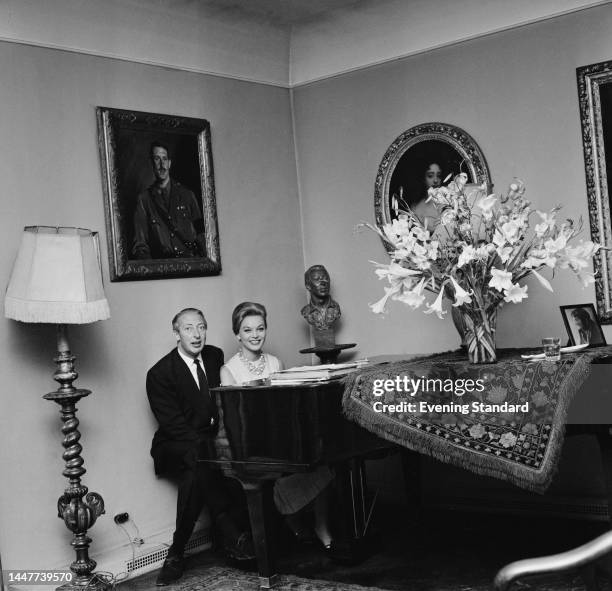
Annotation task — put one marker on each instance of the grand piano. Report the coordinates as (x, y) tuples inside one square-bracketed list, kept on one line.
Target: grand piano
[(269, 431)]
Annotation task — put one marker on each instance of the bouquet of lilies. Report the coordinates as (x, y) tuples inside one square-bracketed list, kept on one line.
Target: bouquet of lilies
[(477, 254)]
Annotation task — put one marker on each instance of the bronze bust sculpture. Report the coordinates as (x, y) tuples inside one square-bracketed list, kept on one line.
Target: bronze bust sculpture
[(322, 311)]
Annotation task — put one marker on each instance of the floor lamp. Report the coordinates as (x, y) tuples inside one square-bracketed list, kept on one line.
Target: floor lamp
[(57, 279)]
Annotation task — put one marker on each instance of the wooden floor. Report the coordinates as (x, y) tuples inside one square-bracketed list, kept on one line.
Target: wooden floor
[(438, 551)]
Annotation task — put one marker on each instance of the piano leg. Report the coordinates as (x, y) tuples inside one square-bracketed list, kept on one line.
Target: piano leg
[(350, 537), (255, 491)]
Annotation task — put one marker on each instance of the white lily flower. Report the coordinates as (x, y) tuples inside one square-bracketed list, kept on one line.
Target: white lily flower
[(538, 257), (515, 294), (414, 297), (437, 306), (461, 296), (553, 246), (448, 216), (468, 254), (398, 272), (379, 306), (486, 204), (483, 251), (510, 230), (505, 252), (586, 249), (394, 272), (459, 182), (499, 239), (500, 279), (586, 279), (572, 257), (548, 222), (516, 189)]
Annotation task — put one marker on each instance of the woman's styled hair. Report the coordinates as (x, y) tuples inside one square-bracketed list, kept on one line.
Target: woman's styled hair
[(241, 311), (582, 315)]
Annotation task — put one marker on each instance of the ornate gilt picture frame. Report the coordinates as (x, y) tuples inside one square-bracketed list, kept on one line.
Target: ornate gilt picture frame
[(411, 152), (595, 98), (158, 228)]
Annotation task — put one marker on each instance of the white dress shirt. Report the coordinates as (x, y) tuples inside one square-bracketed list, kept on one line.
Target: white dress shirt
[(191, 365)]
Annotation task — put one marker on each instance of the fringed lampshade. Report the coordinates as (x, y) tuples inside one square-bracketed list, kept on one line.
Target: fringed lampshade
[(57, 278)]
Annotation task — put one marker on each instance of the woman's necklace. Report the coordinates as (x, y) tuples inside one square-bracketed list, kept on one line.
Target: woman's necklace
[(255, 367)]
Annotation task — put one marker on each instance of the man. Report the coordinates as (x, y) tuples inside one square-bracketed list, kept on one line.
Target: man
[(167, 221), (178, 392), (322, 311)]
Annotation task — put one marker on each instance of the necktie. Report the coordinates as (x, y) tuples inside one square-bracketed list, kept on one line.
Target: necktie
[(204, 386), (201, 375)]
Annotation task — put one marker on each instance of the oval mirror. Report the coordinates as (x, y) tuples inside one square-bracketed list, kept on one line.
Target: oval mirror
[(421, 157)]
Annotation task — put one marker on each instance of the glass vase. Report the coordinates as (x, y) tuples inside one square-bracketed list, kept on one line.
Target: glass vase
[(477, 330)]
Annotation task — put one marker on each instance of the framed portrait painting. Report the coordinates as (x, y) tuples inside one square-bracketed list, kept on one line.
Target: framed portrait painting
[(425, 154), (159, 195), (582, 325)]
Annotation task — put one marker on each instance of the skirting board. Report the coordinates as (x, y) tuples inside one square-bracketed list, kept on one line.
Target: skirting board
[(126, 562)]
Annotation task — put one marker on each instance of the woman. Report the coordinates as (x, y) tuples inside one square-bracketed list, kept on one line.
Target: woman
[(249, 323), (291, 493), (584, 323), (423, 209), (429, 176)]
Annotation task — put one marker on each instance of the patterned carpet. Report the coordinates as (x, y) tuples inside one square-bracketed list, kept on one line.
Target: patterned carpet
[(227, 579), (216, 578), (440, 551)]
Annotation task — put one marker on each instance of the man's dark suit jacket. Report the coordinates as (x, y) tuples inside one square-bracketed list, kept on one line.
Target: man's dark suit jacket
[(183, 411)]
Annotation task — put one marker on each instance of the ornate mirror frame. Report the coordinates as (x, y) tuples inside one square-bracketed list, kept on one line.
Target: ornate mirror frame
[(468, 155), (595, 97)]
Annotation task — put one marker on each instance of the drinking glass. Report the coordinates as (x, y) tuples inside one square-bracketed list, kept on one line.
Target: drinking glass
[(552, 349)]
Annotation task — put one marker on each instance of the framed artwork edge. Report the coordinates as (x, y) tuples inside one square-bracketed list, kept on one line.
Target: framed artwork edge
[(570, 334), (589, 80), (121, 266)]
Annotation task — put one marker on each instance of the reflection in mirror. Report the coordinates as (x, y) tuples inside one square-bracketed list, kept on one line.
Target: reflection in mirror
[(422, 157)]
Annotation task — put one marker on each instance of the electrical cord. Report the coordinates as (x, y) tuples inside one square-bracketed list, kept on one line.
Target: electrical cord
[(109, 580), (137, 539), (132, 545)]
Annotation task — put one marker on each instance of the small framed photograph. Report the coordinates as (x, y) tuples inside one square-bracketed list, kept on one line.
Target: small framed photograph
[(159, 195), (582, 325)]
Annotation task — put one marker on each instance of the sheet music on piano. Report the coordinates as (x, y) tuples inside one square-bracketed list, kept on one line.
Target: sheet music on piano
[(306, 374)]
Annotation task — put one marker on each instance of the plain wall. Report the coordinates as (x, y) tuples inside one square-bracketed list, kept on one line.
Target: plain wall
[(515, 93), (51, 175)]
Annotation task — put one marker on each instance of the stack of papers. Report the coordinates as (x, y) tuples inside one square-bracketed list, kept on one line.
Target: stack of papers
[(306, 374)]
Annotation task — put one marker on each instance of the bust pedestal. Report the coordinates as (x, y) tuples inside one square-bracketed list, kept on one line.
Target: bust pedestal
[(328, 354)]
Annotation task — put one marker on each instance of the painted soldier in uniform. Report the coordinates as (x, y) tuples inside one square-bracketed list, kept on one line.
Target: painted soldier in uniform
[(168, 221)]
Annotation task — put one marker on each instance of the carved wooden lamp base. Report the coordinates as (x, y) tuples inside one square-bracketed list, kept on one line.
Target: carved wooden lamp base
[(79, 515)]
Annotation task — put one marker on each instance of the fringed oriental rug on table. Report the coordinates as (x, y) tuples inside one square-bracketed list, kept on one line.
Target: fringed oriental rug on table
[(497, 436)]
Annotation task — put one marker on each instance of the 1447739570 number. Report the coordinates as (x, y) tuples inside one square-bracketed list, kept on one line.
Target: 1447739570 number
[(39, 577)]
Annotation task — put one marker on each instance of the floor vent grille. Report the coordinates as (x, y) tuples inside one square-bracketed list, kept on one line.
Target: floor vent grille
[(195, 544)]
